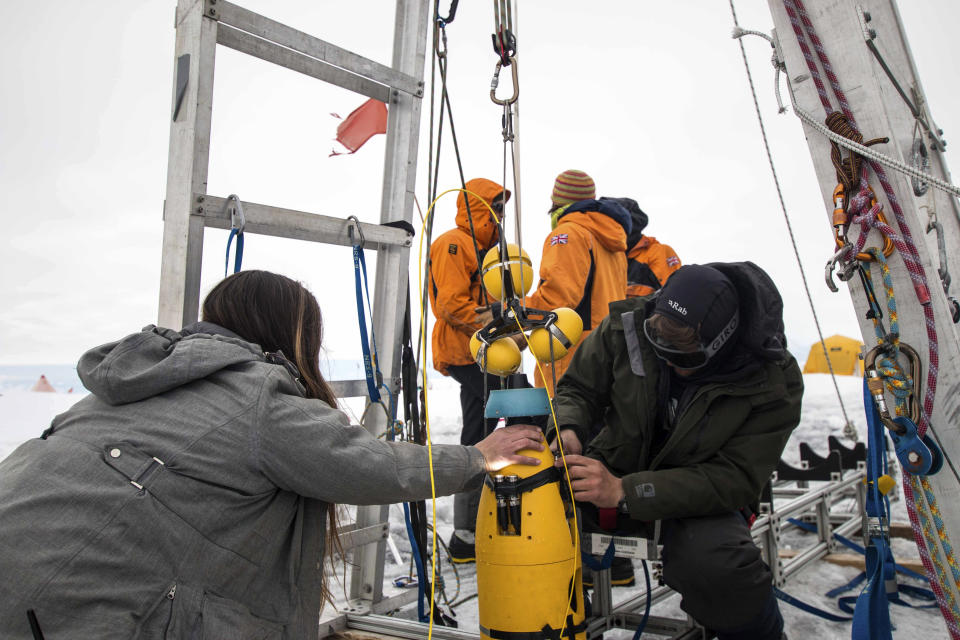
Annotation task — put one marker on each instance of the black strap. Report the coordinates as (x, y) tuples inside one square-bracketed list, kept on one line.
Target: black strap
[(539, 479), (401, 224), (570, 630)]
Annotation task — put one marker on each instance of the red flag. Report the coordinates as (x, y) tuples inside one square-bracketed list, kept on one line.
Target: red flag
[(364, 122)]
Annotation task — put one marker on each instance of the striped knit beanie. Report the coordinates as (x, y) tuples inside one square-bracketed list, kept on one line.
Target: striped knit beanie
[(573, 186)]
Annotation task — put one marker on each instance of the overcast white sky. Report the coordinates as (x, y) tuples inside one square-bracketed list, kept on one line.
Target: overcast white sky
[(650, 98)]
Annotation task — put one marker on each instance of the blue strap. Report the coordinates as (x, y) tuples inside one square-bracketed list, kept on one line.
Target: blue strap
[(876, 458), (859, 579), (846, 603), (370, 366), (871, 617), (238, 257), (917, 592), (809, 608), (847, 542), (604, 563)]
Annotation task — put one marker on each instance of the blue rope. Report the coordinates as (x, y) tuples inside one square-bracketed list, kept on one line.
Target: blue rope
[(646, 611)]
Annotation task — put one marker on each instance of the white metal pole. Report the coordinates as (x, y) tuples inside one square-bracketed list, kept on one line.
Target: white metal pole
[(187, 166), (880, 111)]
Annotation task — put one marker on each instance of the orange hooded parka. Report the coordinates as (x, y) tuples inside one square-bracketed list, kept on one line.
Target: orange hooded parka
[(583, 267), (649, 264), (455, 278)]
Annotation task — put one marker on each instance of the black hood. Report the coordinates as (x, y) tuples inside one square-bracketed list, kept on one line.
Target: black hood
[(637, 216), (761, 310), (607, 207), (759, 335)]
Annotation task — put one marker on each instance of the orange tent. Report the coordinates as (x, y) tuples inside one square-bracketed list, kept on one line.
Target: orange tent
[(844, 356), (43, 385)]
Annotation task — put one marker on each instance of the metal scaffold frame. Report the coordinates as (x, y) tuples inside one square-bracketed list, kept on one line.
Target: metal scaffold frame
[(189, 209)]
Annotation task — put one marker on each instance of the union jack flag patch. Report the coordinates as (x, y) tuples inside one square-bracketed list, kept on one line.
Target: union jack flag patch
[(673, 261), (560, 238)]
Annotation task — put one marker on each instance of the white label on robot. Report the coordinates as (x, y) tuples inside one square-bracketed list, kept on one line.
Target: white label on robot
[(623, 547)]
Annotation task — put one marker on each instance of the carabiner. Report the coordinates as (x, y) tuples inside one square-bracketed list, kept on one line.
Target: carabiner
[(831, 265), (876, 385), (237, 221), (841, 222), (495, 82), (350, 230)]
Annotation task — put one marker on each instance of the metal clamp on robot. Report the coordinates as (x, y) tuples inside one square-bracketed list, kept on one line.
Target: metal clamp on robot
[(551, 333)]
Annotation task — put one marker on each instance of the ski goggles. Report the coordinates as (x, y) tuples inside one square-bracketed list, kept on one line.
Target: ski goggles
[(685, 358)]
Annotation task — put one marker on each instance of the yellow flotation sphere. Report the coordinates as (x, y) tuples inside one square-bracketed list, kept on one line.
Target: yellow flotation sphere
[(570, 327), (500, 358), (521, 270)]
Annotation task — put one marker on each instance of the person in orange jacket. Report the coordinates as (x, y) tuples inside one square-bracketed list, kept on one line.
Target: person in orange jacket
[(461, 307), (649, 263), (584, 264)]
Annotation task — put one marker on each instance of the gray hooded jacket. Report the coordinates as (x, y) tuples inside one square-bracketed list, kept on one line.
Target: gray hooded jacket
[(186, 496)]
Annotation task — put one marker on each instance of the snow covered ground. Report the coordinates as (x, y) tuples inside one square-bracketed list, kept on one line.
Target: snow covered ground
[(25, 415)]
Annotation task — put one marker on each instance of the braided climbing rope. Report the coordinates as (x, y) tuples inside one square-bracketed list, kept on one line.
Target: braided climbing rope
[(866, 216), (900, 385)]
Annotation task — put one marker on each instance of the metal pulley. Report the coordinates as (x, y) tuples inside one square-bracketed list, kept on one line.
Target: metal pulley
[(919, 455)]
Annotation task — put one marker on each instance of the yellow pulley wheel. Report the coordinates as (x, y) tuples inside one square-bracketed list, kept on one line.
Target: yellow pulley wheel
[(519, 264), (564, 333), (501, 358)]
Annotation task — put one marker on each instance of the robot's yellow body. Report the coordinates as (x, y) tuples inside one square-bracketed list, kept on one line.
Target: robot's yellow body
[(528, 571)]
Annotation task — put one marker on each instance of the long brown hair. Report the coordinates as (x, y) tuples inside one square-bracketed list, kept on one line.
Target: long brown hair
[(279, 314)]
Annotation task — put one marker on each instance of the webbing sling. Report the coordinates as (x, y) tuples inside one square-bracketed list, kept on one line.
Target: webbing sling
[(370, 364), (237, 223), (871, 618), (238, 256)]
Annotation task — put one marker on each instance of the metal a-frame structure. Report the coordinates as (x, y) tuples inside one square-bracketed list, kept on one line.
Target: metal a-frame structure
[(871, 59), (203, 24)]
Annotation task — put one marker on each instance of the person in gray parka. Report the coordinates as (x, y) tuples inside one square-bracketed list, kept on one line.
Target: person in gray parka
[(186, 497)]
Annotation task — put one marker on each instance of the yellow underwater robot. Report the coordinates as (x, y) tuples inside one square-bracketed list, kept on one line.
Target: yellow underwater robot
[(528, 567), (529, 580)]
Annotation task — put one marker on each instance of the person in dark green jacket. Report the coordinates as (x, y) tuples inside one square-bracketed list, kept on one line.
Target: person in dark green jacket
[(696, 396)]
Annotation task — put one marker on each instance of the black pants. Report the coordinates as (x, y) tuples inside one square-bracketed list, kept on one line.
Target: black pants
[(713, 563), (476, 427), (726, 586)]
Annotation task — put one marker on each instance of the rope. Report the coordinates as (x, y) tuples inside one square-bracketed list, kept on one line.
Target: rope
[(876, 156), (800, 23), (738, 31), (900, 384)]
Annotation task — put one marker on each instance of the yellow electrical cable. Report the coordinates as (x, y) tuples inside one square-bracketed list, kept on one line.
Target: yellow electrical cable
[(426, 407)]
